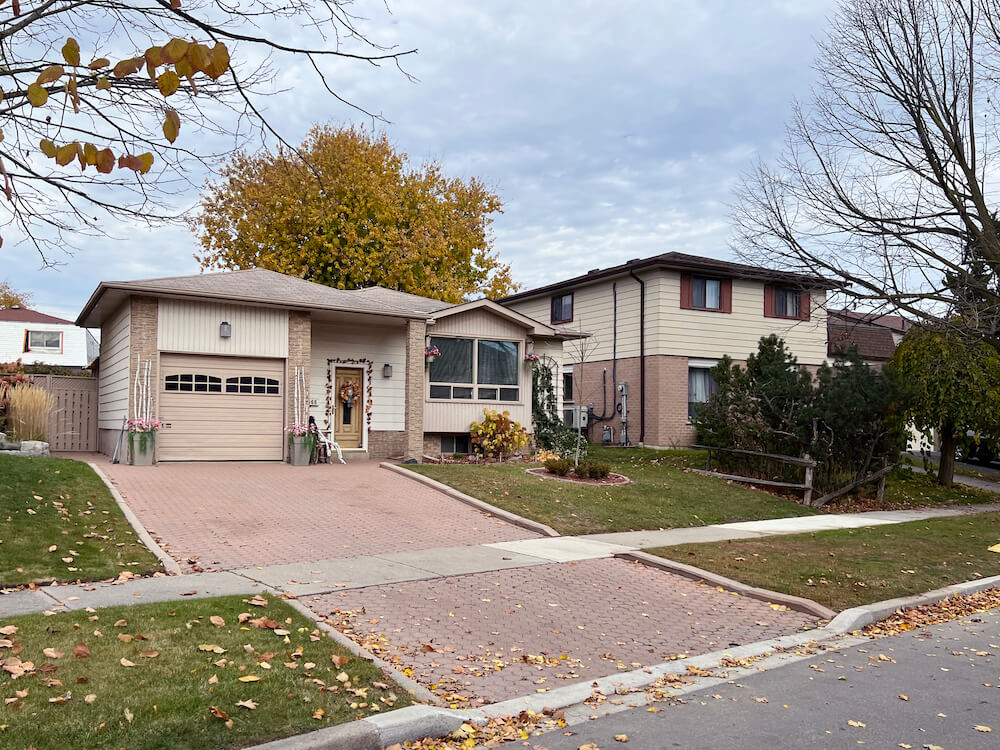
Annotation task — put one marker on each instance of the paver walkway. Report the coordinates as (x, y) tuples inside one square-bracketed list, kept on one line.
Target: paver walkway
[(234, 515), (493, 636)]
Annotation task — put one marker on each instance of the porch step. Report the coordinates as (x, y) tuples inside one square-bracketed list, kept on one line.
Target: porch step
[(355, 454)]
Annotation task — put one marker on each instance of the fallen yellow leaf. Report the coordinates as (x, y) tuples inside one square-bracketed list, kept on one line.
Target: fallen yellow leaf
[(249, 678)]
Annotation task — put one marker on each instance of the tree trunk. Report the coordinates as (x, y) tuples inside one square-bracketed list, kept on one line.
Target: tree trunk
[(946, 468)]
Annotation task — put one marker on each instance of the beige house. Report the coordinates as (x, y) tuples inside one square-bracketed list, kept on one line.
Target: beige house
[(226, 356), (659, 325)]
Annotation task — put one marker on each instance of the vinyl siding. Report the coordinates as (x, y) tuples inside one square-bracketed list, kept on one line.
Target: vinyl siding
[(479, 323), (673, 331), (193, 327), (594, 313), (113, 375), (696, 333), (380, 345)]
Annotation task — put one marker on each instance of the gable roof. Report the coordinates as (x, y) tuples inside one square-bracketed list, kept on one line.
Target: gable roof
[(535, 327), (24, 315), (682, 262), (260, 286)]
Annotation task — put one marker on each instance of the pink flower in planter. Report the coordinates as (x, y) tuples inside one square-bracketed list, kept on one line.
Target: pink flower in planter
[(143, 425)]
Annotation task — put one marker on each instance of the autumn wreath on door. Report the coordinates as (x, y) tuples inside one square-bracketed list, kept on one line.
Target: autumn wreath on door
[(349, 391)]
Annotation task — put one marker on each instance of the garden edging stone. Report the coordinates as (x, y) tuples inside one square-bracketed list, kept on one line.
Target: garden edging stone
[(506, 515), (798, 603), (171, 565)]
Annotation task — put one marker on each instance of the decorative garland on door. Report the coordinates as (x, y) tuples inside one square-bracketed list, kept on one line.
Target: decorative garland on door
[(368, 365)]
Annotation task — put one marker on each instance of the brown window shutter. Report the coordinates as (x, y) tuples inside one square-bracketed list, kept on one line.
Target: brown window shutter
[(686, 297), (768, 301), (805, 303), (726, 296)]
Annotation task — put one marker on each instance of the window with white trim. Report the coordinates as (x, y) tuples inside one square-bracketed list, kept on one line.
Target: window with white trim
[(480, 369), (701, 387), (43, 341), (192, 383)]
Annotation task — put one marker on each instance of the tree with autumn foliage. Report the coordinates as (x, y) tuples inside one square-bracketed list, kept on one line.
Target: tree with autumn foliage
[(348, 210), (104, 107), (11, 297)]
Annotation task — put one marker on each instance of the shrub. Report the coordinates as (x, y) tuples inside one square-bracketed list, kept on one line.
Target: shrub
[(498, 434), (565, 443), (559, 466), (28, 411), (543, 455), (593, 469)]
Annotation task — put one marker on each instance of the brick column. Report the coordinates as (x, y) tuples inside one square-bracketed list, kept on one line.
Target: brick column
[(416, 331), (144, 343), (299, 355)]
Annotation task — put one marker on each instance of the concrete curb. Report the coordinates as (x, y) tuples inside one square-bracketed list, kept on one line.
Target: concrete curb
[(376, 732), (171, 565), (798, 603), (506, 515), (408, 683)]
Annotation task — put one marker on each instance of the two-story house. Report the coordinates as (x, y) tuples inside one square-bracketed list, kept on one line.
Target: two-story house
[(658, 325), (39, 339)]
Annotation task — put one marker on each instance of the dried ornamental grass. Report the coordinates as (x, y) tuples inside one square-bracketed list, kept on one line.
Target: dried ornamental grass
[(28, 411)]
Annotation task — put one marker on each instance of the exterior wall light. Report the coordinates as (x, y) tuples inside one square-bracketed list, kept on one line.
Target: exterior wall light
[(386, 370), (225, 330)]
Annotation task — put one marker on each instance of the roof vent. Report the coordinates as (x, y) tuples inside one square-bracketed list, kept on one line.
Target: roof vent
[(593, 270), (634, 260), (15, 307)]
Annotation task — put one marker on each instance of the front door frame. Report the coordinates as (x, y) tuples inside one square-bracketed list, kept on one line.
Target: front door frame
[(366, 366)]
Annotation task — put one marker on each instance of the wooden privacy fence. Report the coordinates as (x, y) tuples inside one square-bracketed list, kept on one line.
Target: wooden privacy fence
[(73, 422)]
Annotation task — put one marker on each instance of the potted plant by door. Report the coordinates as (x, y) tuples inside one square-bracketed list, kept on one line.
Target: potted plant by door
[(142, 440), (301, 444)]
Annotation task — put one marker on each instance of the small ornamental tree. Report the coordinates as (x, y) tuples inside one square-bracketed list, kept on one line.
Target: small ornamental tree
[(952, 386)]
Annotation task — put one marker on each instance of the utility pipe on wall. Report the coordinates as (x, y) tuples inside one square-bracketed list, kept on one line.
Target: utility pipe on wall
[(642, 357)]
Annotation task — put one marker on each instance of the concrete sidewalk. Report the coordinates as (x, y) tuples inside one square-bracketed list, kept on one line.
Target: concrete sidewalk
[(348, 573)]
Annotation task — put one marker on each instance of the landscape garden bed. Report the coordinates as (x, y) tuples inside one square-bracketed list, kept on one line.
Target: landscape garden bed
[(850, 567), (221, 672), (611, 480), (59, 522)]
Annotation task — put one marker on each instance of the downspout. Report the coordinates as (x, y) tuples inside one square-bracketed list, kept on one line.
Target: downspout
[(642, 356)]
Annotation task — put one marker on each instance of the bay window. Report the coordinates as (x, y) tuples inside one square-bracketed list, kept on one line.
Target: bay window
[(484, 369)]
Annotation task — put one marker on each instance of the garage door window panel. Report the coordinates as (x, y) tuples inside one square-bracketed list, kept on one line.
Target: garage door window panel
[(253, 385), (192, 383)]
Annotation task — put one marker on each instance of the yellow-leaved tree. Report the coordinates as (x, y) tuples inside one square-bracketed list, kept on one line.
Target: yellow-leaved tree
[(11, 297), (99, 101), (349, 211)]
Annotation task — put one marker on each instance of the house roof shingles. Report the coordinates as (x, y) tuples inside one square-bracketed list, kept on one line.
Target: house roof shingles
[(682, 262), (270, 287), (874, 335), (24, 315)]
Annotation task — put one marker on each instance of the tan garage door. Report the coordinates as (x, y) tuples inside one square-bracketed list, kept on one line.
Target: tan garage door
[(220, 408)]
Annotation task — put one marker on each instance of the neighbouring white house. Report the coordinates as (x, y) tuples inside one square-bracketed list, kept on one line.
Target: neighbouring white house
[(229, 354), (39, 339)]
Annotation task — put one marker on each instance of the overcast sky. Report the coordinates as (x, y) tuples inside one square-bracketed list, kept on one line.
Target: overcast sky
[(611, 130)]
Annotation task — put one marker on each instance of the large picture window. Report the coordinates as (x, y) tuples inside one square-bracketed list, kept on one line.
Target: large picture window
[(485, 369)]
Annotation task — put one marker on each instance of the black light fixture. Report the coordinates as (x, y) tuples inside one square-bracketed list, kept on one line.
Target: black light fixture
[(386, 370), (225, 330)]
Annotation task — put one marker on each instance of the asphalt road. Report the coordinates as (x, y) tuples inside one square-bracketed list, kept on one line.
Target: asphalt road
[(949, 674)]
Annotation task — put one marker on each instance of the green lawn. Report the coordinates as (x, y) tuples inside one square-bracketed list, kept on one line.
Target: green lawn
[(662, 494), (850, 567), (906, 489), (56, 502), (154, 672)]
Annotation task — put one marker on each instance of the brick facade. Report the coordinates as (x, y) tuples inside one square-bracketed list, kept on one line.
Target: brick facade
[(416, 332), (665, 421), (384, 444), (143, 347), (299, 356)]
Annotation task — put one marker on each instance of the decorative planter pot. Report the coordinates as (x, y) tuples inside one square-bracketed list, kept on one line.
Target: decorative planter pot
[(142, 446), (300, 450)]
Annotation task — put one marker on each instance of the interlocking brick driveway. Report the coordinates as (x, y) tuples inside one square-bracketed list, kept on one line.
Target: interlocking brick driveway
[(604, 615), (234, 515)]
